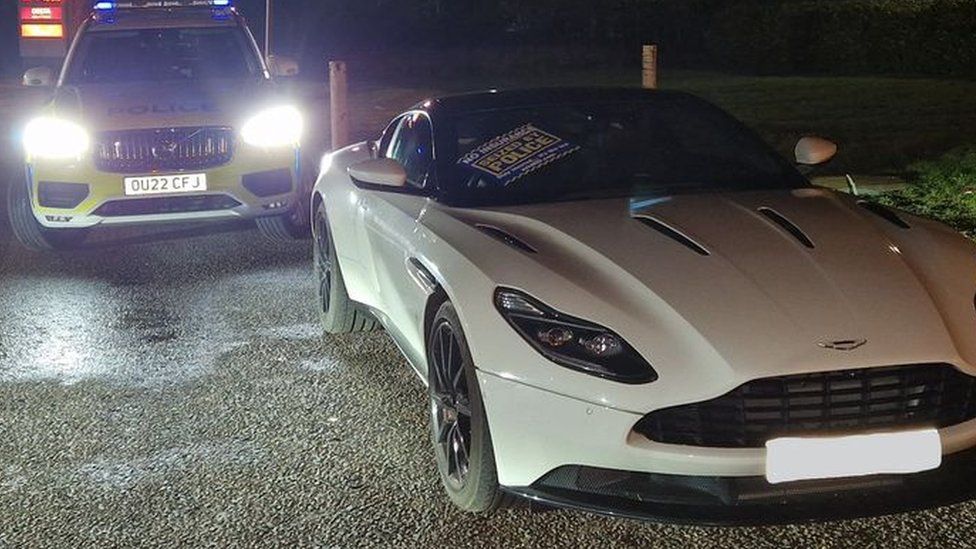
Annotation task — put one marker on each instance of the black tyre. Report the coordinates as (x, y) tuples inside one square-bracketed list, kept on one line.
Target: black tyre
[(31, 234), (284, 228), (338, 313), (459, 426)]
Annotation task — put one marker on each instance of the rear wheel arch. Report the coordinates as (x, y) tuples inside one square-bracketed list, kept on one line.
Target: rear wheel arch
[(337, 312)]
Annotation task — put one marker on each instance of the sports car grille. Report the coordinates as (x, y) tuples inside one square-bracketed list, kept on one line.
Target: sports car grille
[(932, 395), (141, 151)]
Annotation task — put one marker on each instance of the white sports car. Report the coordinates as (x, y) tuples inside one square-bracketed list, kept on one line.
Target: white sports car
[(622, 301)]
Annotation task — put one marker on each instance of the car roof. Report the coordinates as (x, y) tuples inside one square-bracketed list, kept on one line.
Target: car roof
[(165, 18), (504, 99)]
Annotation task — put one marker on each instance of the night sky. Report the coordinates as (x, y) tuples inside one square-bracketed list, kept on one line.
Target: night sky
[(760, 36), (9, 60)]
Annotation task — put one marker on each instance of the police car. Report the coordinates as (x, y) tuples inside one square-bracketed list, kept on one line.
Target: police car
[(164, 111)]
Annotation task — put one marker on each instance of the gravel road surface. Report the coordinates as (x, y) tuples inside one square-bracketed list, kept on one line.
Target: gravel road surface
[(173, 387)]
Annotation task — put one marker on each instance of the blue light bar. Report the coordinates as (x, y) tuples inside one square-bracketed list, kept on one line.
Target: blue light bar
[(111, 5)]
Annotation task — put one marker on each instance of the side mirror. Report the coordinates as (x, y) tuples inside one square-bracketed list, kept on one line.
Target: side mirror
[(382, 172), (282, 67), (813, 151), (39, 77)]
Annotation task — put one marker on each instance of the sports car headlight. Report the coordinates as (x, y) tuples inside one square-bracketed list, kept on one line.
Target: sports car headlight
[(55, 138), (571, 342), (274, 127)]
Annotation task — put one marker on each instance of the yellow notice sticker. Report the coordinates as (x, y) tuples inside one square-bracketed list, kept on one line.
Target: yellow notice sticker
[(518, 153)]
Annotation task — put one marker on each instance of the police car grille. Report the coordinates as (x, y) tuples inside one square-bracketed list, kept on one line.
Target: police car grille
[(923, 395), (141, 151)]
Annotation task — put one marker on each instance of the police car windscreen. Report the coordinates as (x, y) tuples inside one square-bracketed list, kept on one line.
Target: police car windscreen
[(163, 55)]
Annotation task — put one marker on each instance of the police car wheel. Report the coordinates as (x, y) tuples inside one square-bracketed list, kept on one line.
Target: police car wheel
[(283, 228), (31, 234), (338, 313)]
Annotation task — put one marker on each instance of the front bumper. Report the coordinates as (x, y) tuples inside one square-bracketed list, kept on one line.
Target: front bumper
[(569, 452), (751, 500), (103, 201)]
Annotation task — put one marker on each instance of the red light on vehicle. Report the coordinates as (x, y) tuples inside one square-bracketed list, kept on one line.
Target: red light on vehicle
[(40, 13), (33, 30)]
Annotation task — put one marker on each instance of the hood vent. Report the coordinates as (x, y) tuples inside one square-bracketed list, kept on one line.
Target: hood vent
[(673, 234), (787, 226), (884, 213), (505, 237)]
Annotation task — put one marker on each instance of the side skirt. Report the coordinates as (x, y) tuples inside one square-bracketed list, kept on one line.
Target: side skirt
[(418, 364)]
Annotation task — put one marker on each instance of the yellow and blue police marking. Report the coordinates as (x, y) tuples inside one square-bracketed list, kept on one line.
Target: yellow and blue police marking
[(509, 157)]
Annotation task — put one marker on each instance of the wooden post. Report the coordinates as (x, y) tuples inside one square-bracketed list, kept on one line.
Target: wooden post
[(339, 110), (649, 66)]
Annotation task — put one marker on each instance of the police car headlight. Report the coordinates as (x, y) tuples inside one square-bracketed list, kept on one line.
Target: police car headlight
[(274, 127), (55, 138)]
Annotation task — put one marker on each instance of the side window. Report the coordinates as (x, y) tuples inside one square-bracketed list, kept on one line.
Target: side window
[(388, 134), (412, 146)]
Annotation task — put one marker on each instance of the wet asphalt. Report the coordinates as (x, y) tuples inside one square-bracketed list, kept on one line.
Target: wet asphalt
[(172, 388)]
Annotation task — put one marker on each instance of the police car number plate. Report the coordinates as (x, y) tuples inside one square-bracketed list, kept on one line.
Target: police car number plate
[(165, 184)]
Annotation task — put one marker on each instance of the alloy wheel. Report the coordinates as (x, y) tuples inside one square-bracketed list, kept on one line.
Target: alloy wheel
[(450, 406)]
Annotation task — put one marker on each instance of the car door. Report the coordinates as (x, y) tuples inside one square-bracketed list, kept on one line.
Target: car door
[(363, 288), (390, 223)]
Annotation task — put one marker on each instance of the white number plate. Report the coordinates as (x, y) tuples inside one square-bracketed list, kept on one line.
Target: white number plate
[(790, 459), (165, 184)]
